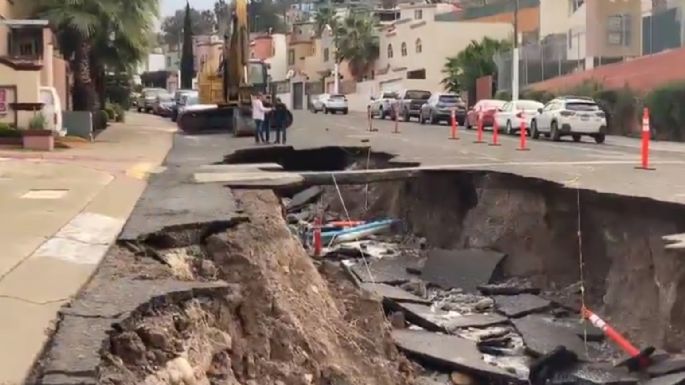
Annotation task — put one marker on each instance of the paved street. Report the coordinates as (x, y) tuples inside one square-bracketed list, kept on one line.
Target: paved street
[(605, 168), (61, 212)]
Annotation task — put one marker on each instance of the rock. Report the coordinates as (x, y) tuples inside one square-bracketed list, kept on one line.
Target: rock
[(303, 198), (416, 287), (221, 340), (484, 304), (458, 378), (130, 348), (154, 337), (397, 320), (393, 293), (208, 269), (465, 269)]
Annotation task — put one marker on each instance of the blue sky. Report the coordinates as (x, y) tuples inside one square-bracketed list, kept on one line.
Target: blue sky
[(170, 6)]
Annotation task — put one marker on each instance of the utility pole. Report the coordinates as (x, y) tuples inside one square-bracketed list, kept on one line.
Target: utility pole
[(515, 55)]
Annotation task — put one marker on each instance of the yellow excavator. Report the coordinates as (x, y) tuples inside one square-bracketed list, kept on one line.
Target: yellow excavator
[(227, 83)]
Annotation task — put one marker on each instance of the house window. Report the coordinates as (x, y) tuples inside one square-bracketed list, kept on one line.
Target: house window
[(419, 47), (291, 57), (619, 31), (418, 14), (404, 49), (325, 54), (390, 51), (570, 39)]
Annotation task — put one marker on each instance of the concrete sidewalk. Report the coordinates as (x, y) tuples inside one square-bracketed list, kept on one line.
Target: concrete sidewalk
[(61, 212)]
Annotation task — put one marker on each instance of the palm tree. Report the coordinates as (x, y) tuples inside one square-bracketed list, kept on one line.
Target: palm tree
[(475, 61), (356, 41), (325, 17), (99, 33)]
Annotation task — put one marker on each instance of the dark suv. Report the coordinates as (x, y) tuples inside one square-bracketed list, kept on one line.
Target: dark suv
[(409, 103)]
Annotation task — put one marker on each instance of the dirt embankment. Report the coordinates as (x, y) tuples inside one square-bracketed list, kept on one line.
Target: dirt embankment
[(281, 324), (630, 277)]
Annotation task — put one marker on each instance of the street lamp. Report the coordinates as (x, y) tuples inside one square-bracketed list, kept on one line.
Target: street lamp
[(515, 55)]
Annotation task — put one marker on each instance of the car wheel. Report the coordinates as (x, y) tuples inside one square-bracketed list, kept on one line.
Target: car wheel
[(345, 111), (432, 118), (576, 137), (535, 134), (422, 120), (325, 111), (554, 134), (599, 138), (509, 130), (140, 109)]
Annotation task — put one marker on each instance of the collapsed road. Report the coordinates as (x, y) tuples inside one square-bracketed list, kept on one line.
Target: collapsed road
[(477, 277)]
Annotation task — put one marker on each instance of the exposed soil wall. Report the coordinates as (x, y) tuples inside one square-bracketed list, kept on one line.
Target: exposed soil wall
[(629, 277), (282, 324)]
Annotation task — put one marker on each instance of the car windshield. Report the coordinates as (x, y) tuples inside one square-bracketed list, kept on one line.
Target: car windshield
[(449, 99), (165, 97), (417, 95), (389, 95), (191, 100), (582, 106), (528, 105), (151, 93), (337, 97)]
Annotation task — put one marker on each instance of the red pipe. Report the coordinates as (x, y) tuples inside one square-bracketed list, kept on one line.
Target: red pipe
[(317, 237)]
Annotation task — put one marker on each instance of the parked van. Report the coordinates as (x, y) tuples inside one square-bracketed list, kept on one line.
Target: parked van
[(52, 109)]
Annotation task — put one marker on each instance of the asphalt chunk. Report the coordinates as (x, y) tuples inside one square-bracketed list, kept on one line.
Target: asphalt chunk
[(520, 305), (542, 336), (465, 269), (392, 293)]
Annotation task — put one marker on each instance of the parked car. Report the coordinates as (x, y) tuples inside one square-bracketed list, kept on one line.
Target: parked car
[(187, 103), (409, 103), (180, 97), (163, 104), (316, 103), (511, 114), (381, 106), (484, 109), (335, 103), (439, 108), (52, 110), (570, 115), (147, 99)]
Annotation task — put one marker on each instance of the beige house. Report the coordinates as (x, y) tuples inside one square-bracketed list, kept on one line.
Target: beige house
[(29, 59), (595, 30), (414, 49)]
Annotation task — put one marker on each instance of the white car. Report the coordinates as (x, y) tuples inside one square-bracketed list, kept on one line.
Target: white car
[(52, 110), (316, 103), (571, 115), (334, 104), (381, 107), (510, 115)]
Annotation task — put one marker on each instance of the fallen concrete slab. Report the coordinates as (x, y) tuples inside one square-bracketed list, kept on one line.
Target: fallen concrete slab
[(240, 167), (582, 329), (667, 365), (390, 270), (249, 179), (465, 269), (392, 293), (602, 374), (520, 305), (303, 198), (507, 289), (670, 379), (542, 337), (442, 321), (449, 352)]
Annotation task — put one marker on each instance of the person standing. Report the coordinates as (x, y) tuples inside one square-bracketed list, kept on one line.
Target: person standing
[(280, 117), (259, 115)]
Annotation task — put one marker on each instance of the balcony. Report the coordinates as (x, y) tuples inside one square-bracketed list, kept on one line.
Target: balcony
[(25, 44)]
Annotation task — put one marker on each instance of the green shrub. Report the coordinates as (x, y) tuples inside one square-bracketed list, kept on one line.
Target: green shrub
[(667, 111), (7, 131), (38, 122), (541, 96), (503, 95), (100, 119), (109, 110), (119, 113)]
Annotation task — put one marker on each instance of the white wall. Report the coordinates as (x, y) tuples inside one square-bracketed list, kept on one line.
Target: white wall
[(577, 32), (554, 17), (279, 62)]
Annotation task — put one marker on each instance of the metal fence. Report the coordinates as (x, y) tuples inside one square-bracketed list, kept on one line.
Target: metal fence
[(561, 54)]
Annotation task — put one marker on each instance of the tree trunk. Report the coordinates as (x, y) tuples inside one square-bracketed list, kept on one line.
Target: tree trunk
[(85, 97)]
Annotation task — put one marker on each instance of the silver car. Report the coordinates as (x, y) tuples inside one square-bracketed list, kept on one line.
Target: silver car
[(148, 98)]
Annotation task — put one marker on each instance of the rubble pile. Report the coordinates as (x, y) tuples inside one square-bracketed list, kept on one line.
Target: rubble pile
[(454, 313)]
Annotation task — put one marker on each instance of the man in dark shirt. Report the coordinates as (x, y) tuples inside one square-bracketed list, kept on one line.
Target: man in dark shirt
[(280, 117)]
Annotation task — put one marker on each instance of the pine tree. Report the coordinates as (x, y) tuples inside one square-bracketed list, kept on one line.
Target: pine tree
[(187, 60)]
